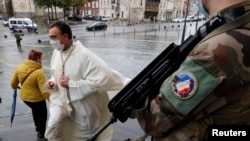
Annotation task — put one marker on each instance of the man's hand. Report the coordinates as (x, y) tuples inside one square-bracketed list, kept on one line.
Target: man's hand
[(50, 85), (64, 81)]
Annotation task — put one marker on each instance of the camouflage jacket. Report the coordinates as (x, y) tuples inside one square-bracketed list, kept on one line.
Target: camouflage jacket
[(212, 86)]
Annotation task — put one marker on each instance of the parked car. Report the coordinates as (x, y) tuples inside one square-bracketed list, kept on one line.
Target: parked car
[(105, 18), (191, 18), (202, 17), (194, 19), (178, 20), (97, 26), (88, 17), (5, 23)]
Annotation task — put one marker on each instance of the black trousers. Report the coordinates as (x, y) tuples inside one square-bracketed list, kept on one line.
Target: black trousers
[(18, 43), (39, 113)]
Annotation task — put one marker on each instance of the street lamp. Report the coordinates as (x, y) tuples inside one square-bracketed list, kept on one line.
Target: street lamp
[(31, 15), (4, 7), (117, 9), (185, 22), (30, 9), (129, 12), (3, 4)]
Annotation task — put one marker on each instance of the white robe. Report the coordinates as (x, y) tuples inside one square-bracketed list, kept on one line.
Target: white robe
[(90, 79)]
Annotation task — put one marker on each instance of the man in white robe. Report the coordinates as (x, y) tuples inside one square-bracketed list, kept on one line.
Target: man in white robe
[(79, 84)]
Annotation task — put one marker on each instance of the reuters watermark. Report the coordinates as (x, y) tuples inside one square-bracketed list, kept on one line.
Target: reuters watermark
[(239, 132)]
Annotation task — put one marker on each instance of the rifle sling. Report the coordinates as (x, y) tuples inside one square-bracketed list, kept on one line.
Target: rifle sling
[(229, 26)]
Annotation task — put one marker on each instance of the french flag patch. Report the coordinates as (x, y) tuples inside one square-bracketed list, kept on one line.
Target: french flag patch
[(184, 85)]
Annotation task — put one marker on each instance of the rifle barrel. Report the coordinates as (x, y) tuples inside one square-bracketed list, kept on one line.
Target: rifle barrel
[(93, 137)]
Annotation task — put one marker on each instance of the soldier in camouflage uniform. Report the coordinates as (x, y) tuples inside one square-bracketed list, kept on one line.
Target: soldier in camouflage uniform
[(211, 87)]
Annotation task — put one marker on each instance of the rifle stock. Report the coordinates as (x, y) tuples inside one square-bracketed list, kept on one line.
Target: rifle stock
[(148, 82)]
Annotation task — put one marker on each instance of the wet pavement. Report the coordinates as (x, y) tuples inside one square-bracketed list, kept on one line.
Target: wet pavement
[(125, 49)]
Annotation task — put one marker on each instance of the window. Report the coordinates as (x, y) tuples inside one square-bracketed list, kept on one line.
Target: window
[(24, 22), (12, 22), (97, 4), (19, 22)]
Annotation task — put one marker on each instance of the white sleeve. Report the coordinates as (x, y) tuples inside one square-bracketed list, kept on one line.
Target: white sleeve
[(97, 75)]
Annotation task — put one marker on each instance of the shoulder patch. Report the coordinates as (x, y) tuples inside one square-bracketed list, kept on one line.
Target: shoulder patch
[(188, 86), (184, 85)]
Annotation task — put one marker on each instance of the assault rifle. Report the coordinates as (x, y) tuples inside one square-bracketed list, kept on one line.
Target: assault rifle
[(147, 83)]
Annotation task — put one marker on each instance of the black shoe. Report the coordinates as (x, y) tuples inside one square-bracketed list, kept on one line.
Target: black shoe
[(39, 135), (42, 139)]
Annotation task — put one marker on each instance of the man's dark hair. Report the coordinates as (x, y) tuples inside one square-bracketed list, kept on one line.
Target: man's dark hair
[(63, 27)]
